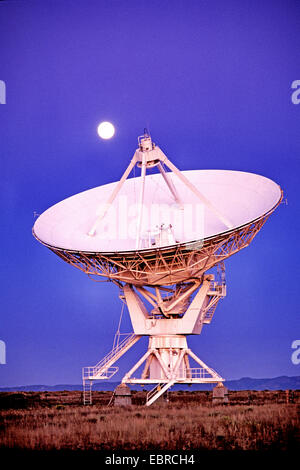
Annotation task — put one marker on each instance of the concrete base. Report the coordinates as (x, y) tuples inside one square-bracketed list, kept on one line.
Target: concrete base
[(122, 395), (220, 394)]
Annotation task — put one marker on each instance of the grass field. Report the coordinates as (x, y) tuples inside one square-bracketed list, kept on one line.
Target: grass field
[(188, 421)]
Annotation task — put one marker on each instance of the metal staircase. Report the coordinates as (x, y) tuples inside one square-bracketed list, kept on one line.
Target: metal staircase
[(217, 292), (157, 391), (209, 313), (103, 369)]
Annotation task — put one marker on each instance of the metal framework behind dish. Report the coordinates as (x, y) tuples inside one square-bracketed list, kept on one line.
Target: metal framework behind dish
[(164, 266)]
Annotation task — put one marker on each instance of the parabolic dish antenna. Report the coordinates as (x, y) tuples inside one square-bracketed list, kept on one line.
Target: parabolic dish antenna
[(162, 231)]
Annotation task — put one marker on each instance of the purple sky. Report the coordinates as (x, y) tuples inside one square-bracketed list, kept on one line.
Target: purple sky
[(212, 80)]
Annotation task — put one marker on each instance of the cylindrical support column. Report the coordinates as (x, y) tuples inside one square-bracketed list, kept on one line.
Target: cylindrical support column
[(168, 361)]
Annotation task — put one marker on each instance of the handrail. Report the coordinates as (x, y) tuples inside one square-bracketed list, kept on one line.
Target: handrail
[(157, 391), (195, 373), (103, 366), (89, 372), (114, 351), (153, 391)]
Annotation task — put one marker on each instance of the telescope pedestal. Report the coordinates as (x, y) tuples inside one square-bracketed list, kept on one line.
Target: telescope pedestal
[(178, 311), (168, 358), (166, 362)]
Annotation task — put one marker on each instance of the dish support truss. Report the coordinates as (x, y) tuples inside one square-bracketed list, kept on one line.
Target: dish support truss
[(178, 311), (167, 266)]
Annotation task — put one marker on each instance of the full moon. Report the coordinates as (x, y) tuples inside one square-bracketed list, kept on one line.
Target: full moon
[(106, 130)]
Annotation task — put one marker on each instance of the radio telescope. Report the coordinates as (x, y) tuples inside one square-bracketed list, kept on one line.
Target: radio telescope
[(140, 233)]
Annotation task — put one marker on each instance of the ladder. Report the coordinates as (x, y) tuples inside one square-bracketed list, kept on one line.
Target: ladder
[(103, 369), (87, 392)]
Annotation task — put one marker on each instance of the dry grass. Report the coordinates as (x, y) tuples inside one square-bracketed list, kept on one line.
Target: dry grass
[(57, 421)]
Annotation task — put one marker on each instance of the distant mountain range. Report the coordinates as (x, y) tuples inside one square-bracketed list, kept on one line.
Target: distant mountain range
[(246, 383)]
